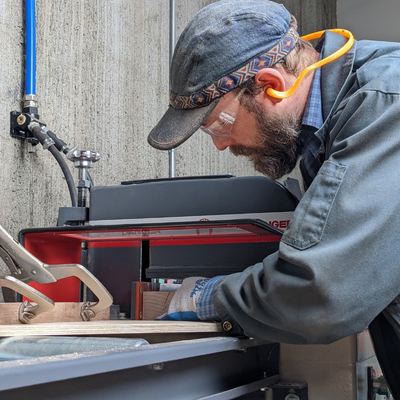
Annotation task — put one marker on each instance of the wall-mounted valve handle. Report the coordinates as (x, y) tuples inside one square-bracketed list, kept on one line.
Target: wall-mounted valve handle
[(83, 158)]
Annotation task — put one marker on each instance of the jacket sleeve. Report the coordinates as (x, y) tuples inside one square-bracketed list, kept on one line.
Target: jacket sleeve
[(338, 264)]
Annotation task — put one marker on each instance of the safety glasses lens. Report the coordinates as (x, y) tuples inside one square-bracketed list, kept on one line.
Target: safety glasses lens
[(222, 126)]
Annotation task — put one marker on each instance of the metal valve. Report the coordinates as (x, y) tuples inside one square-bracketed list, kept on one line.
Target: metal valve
[(83, 158)]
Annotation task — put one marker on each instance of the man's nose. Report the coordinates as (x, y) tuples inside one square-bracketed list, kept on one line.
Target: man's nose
[(222, 143)]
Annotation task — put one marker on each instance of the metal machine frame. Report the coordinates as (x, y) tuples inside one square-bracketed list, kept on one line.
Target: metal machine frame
[(214, 369)]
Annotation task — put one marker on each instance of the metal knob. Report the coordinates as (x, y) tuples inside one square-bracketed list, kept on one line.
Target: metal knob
[(83, 158)]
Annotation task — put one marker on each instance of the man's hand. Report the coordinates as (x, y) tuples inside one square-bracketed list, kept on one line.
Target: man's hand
[(183, 306)]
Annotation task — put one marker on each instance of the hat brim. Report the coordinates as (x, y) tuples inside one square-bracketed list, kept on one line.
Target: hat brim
[(176, 126)]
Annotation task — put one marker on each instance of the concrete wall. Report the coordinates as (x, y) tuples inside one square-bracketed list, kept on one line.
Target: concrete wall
[(312, 15), (370, 19), (102, 84)]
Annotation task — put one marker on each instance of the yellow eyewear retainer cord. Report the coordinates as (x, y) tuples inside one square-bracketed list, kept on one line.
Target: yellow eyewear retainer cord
[(284, 95)]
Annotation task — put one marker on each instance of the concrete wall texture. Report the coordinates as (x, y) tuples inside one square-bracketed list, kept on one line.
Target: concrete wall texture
[(370, 19), (102, 84)]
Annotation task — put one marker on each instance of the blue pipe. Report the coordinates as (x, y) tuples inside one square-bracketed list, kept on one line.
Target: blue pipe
[(30, 48)]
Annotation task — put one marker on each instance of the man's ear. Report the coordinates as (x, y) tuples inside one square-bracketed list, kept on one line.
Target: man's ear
[(270, 78)]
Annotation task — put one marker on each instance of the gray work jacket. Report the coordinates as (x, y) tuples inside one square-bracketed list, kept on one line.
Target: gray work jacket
[(338, 264)]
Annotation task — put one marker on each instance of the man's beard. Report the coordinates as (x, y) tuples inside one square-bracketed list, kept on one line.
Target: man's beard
[(279, 144)]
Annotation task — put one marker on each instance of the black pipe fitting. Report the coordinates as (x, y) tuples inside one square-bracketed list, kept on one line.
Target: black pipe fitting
[(41, 135), (60, 144)]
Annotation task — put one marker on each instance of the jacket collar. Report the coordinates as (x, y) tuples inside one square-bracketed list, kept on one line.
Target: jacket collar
[(333, 76)]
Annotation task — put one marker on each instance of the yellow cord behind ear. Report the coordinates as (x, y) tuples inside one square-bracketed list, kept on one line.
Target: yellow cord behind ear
[(284, 95)]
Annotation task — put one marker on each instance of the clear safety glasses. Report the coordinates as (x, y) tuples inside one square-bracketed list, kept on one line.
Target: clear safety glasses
[(222, 126)]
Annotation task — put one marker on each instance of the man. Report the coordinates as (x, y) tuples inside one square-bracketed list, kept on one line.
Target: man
[(337, 269)]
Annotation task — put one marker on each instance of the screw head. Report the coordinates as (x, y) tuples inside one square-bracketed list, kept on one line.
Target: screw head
[(157, 367), (227, 326)]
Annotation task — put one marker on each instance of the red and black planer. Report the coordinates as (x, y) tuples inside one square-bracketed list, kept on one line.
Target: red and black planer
[(173, 228)]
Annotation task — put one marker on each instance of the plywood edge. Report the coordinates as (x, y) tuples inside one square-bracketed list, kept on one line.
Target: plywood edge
[(103, 328)]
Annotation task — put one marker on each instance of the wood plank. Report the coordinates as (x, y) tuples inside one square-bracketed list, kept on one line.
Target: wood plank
[(154, 304), (62, 312), (107, 328)]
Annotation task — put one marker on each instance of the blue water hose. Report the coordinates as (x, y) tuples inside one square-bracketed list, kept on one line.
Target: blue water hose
[(30, 48), (30, 91)]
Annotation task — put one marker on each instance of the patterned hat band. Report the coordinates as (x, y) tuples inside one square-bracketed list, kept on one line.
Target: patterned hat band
[(231, 81)]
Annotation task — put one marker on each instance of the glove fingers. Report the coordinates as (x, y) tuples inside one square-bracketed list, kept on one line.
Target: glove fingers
[(183, 305)]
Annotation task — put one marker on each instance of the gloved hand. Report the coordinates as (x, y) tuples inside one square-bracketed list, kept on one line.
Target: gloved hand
[(184, 303), (193, 301)]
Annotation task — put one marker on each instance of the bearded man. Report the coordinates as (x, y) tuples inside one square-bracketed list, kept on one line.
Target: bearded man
[(235, 75)]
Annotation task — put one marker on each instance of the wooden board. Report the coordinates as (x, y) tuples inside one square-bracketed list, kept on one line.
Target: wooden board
[(62, 312), (65, 320), (106, 328), (154, 303)]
